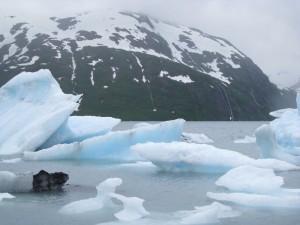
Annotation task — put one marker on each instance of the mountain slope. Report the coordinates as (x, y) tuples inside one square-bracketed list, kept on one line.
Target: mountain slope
[(138, 68)]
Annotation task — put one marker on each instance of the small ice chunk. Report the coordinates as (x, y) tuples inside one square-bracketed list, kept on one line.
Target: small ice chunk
[(258, 200), (79, 128), (196, 138), (207, 214), (141, 124), (246, 140), (251, 179), (15, 160), (6, 196), (103, 199), (133, 208), (280, 112)]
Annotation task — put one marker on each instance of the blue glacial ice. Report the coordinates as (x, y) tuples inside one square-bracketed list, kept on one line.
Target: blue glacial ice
[(112, 146), (32, 108), (79, 128), (190, 157)]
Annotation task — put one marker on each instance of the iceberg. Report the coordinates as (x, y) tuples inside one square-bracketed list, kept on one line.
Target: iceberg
[(283, 134), (32, 108), (103, 199), (246, 140), (256, 187), (79, 128), (6, 196), (112, 146), (196, 138), (190, 157), (266, 140), (207, 214), (258, 200), (252, 179), (133, 208)]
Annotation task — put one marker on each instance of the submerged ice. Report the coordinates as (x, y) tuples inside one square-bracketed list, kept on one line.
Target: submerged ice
[(32, 108)]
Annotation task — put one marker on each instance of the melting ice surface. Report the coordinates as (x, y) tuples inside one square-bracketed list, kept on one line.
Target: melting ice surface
[(79, 128), (281, 138), (190, 157), (32, 108), (114, 145), (133, 208), (102, 200), (256, 187)]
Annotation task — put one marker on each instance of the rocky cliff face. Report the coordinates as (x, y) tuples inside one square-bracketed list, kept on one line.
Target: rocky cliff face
[(134, 67)]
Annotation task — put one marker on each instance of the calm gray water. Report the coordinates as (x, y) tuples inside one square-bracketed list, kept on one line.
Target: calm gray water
[(164, 193)]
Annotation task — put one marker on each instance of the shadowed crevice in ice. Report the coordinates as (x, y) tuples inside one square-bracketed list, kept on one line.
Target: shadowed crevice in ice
[(32, 108), (114, 145), (190, 157)]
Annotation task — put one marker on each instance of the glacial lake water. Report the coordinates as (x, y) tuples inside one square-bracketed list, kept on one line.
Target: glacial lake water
[(164, 193)]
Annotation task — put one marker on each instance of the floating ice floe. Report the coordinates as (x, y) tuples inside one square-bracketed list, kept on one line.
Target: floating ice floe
[(196, 138), (32, 108), (269, 148), (256, 187), (15, 160), (246, 140), (103, 199), (209, 214), (206, 214), (112, 146), (133, 208), (79, 128), (186, 157), (258, 200), (6, 196)]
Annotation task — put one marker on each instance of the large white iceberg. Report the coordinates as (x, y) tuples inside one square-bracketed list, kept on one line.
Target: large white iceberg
[(114, 145), (252, 179), (256, 187), (186, 157), (79, 128), (32, 108)]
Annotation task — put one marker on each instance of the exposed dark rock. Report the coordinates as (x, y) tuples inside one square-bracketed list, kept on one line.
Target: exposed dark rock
[(44, 181)]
